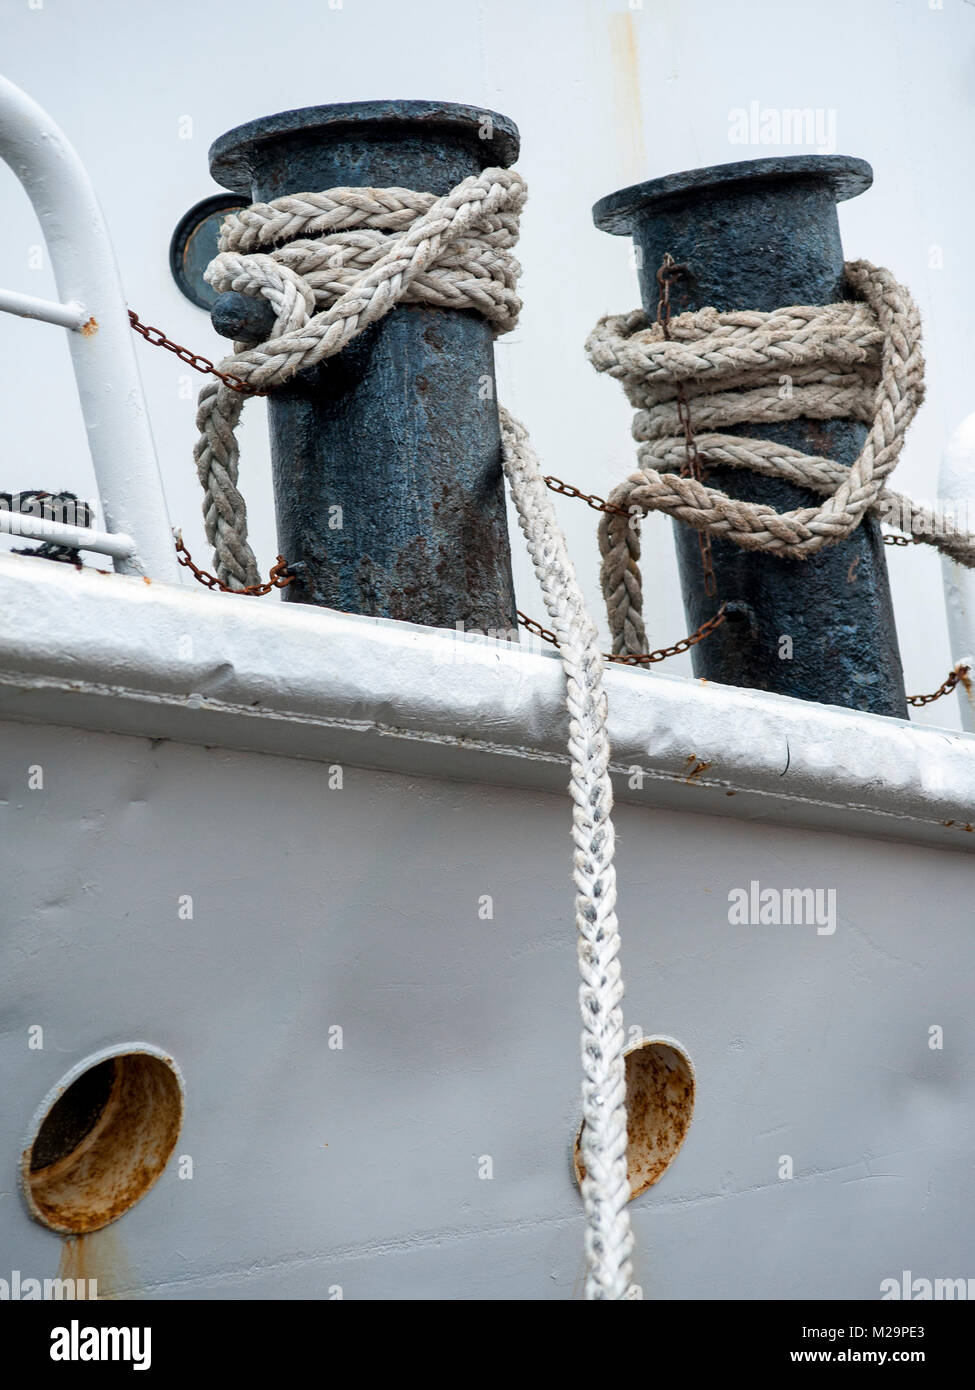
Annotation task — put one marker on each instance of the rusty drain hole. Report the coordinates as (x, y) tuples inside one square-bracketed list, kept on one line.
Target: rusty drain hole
[(102, 1138), (659, 1105)]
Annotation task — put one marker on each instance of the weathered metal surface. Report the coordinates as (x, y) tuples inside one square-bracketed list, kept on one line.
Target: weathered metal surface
[(104, 1141), (73, 1115), (242, 317), (460, 1036), (386, 459), (956, 487), (194, 245), (758, 235), (426, 702), (659, 1107)]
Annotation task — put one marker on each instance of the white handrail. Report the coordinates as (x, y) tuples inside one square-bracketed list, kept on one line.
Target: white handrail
[(28, 307), (956, 494), (112, 403), (40, 528)]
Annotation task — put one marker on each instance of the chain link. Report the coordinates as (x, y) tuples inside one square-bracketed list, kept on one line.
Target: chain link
[(279, 577), (960, 673), (598, 504), (640, 659), (693, 467), (155, 337), (539, 631), (669, 272), (684, 645)]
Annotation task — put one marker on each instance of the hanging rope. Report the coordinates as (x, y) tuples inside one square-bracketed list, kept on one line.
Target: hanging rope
[(859, 360), (374, 249), (605, 1187)]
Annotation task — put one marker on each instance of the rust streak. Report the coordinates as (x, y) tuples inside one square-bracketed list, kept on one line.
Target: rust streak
[(627, 107), (98, 1256), (697, 769)]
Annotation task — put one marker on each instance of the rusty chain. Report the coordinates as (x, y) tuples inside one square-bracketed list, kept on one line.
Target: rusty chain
[(960, 673), (598, 504), (539, 631), (155, 337), (668, 272), (684, 645), (638, 659), (279, 577)]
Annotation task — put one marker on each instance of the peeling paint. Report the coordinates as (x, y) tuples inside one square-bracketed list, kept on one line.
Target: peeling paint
[(697, 769)]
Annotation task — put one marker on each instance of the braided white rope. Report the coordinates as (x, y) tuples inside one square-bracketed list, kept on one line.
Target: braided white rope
[(378, 248), (605, 1187), (859, 360)]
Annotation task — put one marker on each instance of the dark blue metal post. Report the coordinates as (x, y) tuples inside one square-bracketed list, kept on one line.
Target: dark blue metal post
[(759, 235), (400, 430)]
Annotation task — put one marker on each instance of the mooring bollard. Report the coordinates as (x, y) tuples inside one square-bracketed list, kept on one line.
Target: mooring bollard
[(760, 235), (386, 458)]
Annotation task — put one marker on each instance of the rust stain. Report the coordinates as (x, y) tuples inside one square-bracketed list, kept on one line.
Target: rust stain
[(697, 769), (119, 1158), (627, 105), (146, 579), (850, 576), (730, 793), (89, 328), (101, 1256), (659, 1107)]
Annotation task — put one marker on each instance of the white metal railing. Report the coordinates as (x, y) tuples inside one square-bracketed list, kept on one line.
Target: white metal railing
[(956, 487), (92, 308)]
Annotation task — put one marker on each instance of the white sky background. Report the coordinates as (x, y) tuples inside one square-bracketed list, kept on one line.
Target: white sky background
[(604, 96)]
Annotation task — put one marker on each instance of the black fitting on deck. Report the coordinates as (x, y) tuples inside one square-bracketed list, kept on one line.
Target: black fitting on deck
[(386, 458), (760, 235)]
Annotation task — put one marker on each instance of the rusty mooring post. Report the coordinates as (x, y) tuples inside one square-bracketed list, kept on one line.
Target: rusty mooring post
[(759, 235), (387, 458)]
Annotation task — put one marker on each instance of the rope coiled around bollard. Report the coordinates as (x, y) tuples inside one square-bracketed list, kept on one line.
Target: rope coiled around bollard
[(374, 249), (859, 359)]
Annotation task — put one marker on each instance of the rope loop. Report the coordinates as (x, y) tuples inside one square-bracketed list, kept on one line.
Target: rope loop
[(330, 264), (859, 359)]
